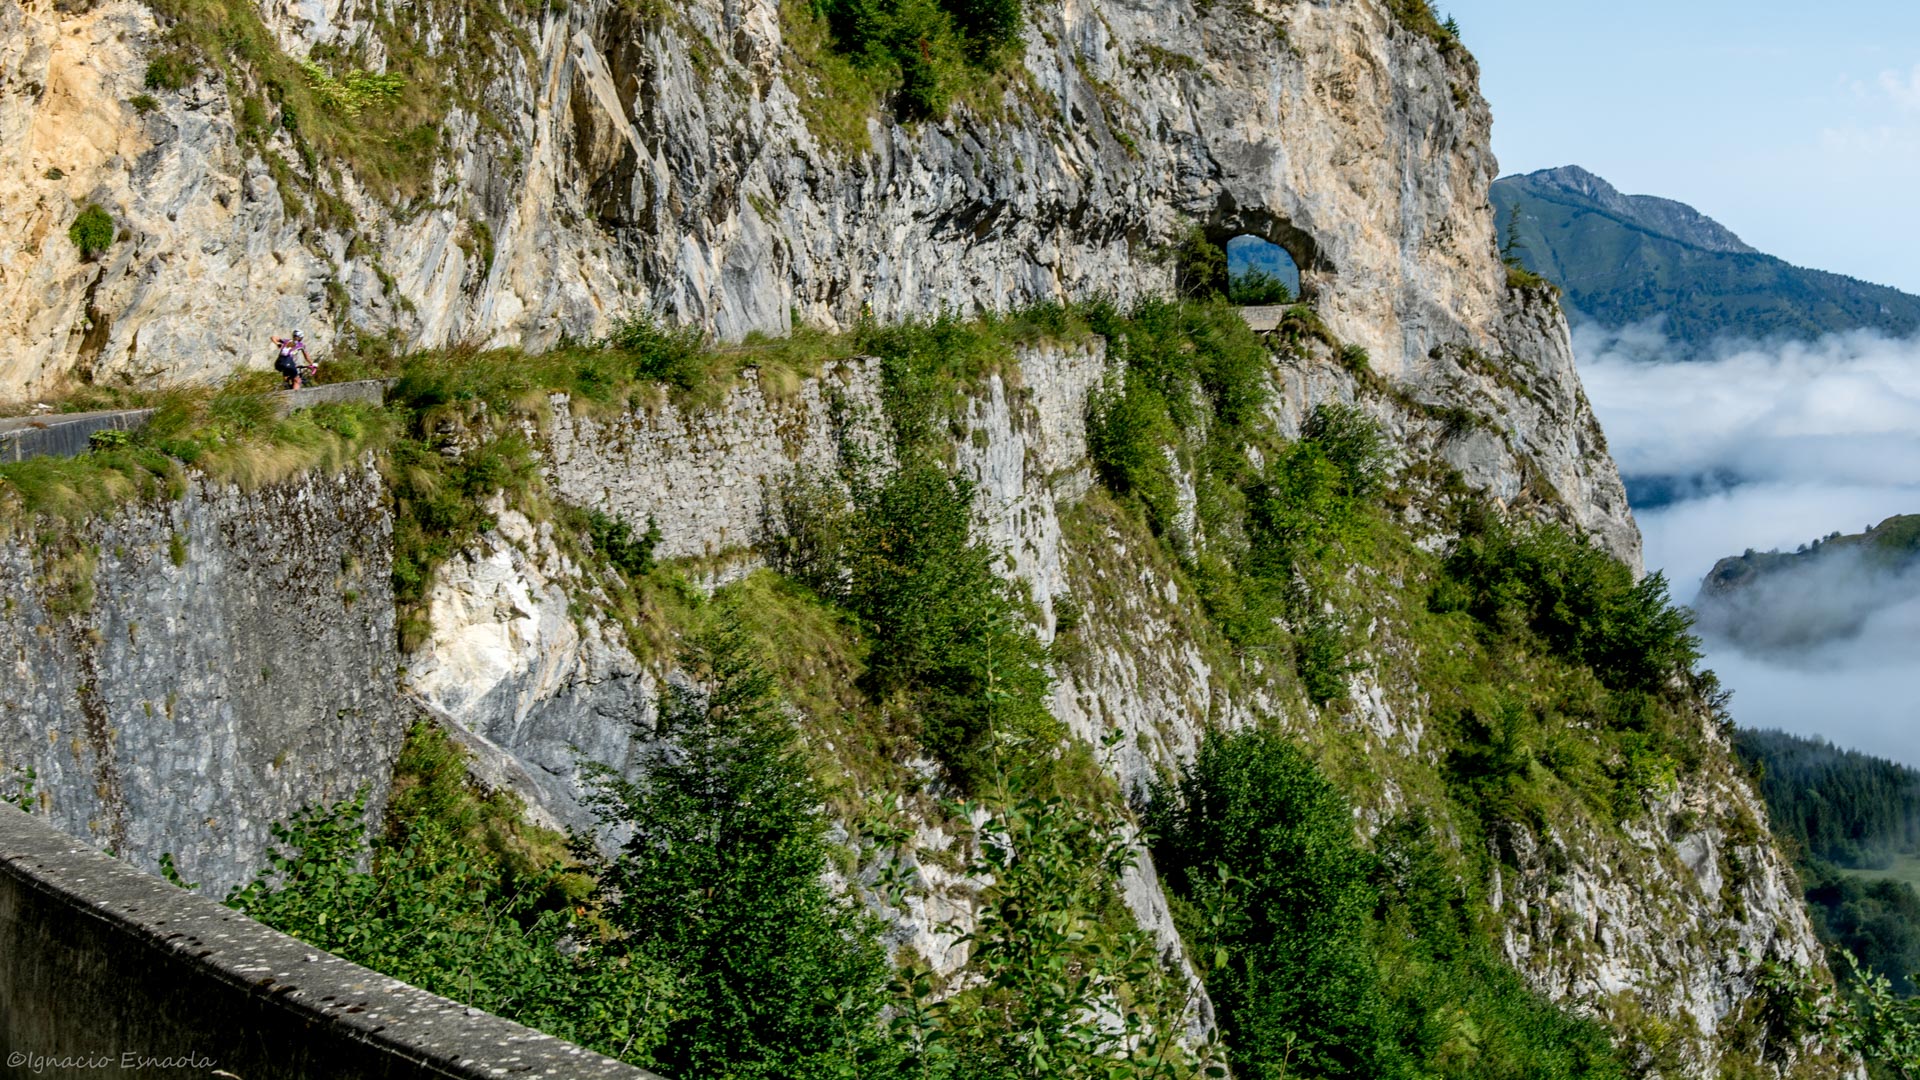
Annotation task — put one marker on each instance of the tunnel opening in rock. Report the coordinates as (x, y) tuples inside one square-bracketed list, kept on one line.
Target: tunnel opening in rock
[(1250, 258), (1260, 271)]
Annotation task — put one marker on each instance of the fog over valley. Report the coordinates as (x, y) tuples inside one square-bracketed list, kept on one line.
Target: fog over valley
[(1775, 446)]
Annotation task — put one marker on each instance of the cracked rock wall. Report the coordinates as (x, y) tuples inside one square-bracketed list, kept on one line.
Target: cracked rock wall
[(663, 163)]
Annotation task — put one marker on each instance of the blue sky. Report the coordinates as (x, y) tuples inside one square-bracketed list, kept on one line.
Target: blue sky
[(1797, 126)]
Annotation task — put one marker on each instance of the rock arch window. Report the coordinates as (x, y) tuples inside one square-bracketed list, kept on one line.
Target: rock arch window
[(1260, 272)]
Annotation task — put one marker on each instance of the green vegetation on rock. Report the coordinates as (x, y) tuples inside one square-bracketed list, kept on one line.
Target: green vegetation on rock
[(232, 434), (718, 881), (455, 895), (883, 667), (1332, 960), (386, 126), (918, 56), (92, 231)]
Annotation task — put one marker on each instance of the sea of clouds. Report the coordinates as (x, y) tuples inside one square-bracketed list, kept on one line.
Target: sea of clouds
[(1770, 446)]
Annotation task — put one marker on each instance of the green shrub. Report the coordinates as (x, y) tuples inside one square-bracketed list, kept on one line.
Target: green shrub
[(613, 538), (1193, 355), (948, 635), (664, 354), (1297, 991), (936, 46), (1578, 601), (1258, 287), (92, 231), (170, 70), (1200, 266), (436, 903), (143, 103), (1355, 359), (1868, 1019), (1326, 960), (1418, 16), (1322, 660), (1053, 948), (439, 507), (1302, 324), (988, 26), (355, 91), (1876, 920), (1315, 494), (927, 368), (946, 629), (1354, 443), (1130, 437)]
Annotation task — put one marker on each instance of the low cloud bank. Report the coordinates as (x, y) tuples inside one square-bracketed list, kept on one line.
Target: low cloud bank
[(1832, 609), (1842, 410), (1769, 447)]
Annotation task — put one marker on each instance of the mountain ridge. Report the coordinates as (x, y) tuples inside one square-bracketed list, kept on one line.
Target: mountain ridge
[(1633, 260)]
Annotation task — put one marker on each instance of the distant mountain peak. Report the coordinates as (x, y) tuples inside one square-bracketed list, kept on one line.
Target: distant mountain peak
[(1635, 260), (1668, 218)]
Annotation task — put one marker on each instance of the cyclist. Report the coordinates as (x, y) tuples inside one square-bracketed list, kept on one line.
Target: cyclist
[(294, 361)]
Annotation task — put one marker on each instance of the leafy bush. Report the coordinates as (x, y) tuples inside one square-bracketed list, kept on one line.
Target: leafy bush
[(1353, 442), (1578, 601), (92, 231), (1877, 921), (663, 354), (440, 505), (947, 631), (926, 370), (170, 70), (1069, 987), (1868, 1020), (1196, 357), (1200, 267), (355, 91), (1296, 990), (433, 903), (1258, 287), (613, 538), (1326, 960), (1315, 494), (1419, 17), (1130, 438), (936, 46)]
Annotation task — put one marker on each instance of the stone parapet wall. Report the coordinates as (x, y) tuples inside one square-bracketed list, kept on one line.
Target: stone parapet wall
[(106, 970)]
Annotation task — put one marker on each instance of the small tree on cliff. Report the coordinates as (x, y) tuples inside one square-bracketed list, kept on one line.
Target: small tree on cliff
[(92, 232), (720, 880)]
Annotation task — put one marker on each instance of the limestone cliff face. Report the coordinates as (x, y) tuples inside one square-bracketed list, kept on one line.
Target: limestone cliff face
[(664, 164), (534, 678), (180, 675)]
